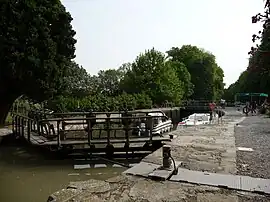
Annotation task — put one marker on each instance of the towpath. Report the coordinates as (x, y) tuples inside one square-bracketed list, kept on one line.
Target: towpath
[(253, 136), (204, 148)]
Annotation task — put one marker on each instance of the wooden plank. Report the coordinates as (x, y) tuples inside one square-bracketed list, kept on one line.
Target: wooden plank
[(104, 141), (33, 141), (37, 139)]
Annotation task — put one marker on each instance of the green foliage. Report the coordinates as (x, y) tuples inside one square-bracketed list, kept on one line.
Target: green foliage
[(37, 42), (152, 79), (101, 103), (206, 75), (256, 78), (184, 77), (36, 45), (77, 82), (150, 73), (36, 52), (109, 81)]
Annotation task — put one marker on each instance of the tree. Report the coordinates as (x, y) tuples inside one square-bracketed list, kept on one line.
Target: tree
[(206, 75), (151, 74), (218, 83), (77, 82), (36, 45), (256, 78), (123, 69), (184, 77), (109, 81)]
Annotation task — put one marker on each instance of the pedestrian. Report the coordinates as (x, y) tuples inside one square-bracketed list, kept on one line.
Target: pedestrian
[(220, 114), (212, 107), (253, 107)]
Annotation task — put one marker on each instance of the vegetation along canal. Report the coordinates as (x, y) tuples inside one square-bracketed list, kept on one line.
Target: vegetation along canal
[(28, 175)]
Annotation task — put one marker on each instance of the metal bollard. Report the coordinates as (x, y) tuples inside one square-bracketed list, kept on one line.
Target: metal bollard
[(166, 156)]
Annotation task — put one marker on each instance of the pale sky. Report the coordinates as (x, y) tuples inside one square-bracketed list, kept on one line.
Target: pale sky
[(112, 32)]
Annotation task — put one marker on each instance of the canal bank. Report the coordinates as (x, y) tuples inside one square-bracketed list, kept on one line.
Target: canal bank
[(29, 174), (203, 148)]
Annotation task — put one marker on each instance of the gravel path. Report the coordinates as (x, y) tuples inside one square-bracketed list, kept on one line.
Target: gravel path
[(254, 132)]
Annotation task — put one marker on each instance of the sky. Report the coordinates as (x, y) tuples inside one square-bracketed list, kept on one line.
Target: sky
[(113, 32)]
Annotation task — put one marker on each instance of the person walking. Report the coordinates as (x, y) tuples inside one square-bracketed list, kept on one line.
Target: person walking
[(212, 107), (253, 107)]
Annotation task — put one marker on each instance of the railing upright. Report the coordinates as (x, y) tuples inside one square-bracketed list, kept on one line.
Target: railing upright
[(22, 126), (89, 131), (29, 123), (108, 129), (58, 134)]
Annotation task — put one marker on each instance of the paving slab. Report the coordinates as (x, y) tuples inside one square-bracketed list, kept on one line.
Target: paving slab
[(164, 174), (237, 182), (142, 169), (205, 178), (258, 185)]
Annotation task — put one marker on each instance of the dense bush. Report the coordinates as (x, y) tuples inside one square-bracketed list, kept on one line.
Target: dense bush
[(101, 103)]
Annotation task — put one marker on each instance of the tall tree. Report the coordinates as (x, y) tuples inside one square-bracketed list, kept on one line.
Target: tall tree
[(183, 76), (77, 82), (256, 78), (109, 81), (206, 76), (36, 44), (218, 82), (150, 73)]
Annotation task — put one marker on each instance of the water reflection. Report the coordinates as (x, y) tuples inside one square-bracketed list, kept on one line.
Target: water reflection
[(29, 176)]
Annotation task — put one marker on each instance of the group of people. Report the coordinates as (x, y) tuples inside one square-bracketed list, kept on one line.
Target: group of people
[(250, 107)]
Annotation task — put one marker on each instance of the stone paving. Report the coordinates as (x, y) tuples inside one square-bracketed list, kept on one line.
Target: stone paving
[(204, 148)]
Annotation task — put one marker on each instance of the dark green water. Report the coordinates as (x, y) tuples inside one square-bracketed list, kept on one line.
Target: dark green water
[(29, 176)]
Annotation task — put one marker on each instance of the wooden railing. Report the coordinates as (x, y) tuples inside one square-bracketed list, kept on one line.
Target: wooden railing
[(57, 129)]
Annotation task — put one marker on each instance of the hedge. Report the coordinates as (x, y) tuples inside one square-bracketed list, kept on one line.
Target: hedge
[(100, 103)]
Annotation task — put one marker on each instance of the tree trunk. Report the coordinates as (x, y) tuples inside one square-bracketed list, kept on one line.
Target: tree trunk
[(5, 105)]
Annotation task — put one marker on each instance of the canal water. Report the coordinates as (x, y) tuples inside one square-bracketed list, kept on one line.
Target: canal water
[(27, 175)]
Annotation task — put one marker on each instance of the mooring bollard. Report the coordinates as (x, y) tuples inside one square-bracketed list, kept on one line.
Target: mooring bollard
[(166, 156)]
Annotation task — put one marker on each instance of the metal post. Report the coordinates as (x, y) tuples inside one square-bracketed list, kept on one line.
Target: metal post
[(166, 153)]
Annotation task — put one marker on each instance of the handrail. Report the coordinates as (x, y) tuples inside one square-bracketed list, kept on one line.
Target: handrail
[(20, 122), (142, 111), (99, 118)]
